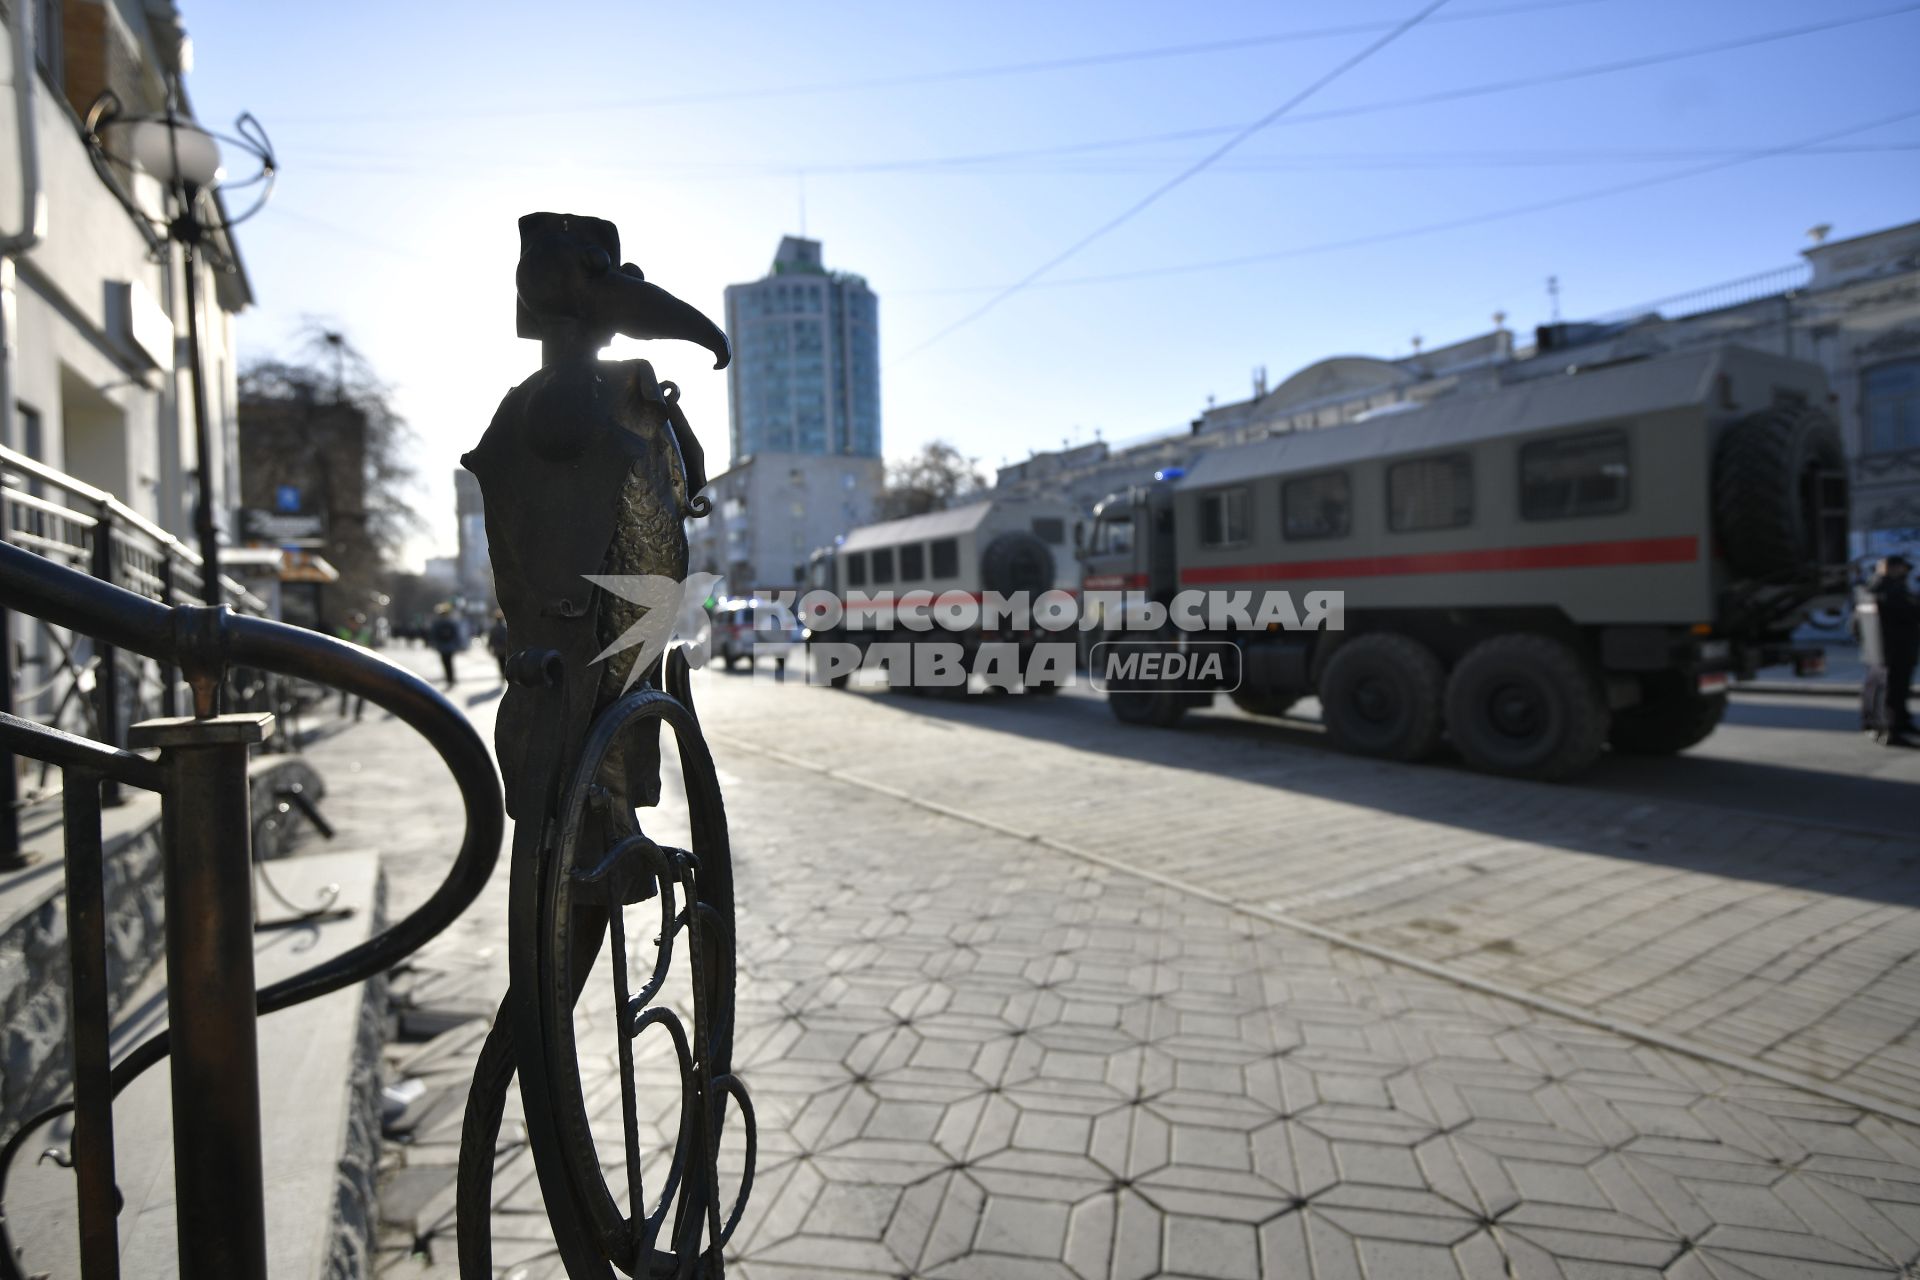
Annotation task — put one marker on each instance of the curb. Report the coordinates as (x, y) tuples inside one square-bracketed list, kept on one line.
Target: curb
[(1798, 689)]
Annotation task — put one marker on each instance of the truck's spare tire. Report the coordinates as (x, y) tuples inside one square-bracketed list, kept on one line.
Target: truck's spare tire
[(1016, 561), (1764, 489)]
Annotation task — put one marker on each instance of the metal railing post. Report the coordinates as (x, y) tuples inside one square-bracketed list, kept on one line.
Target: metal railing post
[(169, 673), (91, 1028), (206, 828), (106, 679), (10, 855)]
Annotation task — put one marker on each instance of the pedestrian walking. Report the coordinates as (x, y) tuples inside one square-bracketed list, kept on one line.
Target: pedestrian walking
[(497, 642), (445, 634), (355, 630), (1891, 677)]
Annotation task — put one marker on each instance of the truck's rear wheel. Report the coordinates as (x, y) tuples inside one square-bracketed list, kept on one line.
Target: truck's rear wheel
[(1380, 696), (1670, 718), (1159, 708), (1528, 706), (1262, 702)]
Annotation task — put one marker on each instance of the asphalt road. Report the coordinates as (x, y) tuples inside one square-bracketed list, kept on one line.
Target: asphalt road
[(1781, 755)]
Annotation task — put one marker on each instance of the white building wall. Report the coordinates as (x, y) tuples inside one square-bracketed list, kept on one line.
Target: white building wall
[(110, 413)]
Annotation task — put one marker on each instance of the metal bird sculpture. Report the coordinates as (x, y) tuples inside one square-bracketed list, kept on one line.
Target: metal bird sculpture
[(588, 473)]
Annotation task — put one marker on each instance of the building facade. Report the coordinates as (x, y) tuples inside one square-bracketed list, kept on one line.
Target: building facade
[(805, 377), (1327, 393), (475, 565), (1851, 306), (774, 510), (94, 352)]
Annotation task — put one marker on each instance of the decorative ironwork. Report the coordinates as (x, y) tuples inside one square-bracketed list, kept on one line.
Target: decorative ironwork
[(201, 776), (589, 468), (68, 680)]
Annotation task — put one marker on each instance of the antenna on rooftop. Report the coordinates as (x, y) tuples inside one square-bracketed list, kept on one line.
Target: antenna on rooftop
[(1553, 294)]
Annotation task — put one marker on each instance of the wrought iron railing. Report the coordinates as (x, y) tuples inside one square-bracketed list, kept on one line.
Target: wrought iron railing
[(70, 681), (1777, 283), (200, 774)]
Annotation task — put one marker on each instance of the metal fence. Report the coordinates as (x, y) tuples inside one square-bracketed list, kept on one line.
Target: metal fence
[(200, 774), (69, 681)]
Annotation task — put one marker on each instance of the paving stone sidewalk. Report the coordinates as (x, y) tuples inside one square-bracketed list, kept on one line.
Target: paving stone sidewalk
[(1792, 943), (975, 1058)]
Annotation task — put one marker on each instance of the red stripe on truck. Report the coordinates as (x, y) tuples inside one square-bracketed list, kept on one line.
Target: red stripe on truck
[(1567, 555)]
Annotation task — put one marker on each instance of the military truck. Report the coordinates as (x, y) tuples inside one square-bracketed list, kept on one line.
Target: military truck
[(1007, 545), (1575, 558)]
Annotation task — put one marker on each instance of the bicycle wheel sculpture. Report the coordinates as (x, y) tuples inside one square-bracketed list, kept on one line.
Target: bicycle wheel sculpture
[(588, 473)]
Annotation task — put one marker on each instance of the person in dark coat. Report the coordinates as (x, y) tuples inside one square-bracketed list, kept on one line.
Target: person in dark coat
[(447, 637), (1899, 647)]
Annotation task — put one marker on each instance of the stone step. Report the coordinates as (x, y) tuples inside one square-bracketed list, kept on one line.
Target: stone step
[(319, 1102)]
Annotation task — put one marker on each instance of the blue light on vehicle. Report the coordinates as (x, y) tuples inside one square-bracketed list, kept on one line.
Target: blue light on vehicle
[(1169, 473)]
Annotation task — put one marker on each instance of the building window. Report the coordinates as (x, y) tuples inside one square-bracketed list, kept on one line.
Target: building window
[(913, 562), (1223, 518), (1430, 493), (857, 569), (1316, 507), (1890, 403), (1583, 475), (946, 557), (883, 567), (1050, 529)]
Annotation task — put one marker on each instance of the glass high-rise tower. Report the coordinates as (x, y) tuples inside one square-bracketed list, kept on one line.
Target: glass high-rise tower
[(806, 359)]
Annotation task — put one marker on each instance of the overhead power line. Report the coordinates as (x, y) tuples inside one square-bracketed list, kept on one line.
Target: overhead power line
[(1447, 224), (1280, 162), (981, 159), (958, 74), (1147, 201), (1459, 93)]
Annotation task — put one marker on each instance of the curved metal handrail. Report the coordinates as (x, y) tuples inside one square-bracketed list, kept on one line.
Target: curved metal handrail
[(202, 641)]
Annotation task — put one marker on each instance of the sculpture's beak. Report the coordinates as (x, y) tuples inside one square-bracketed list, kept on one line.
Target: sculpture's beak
[(642, 310)]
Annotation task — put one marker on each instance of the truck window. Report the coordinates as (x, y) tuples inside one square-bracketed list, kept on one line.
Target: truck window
[(946, 557), (1583, 475), (913, 562), (1316, 506), (1223, 518), (1430, 493), (882, 566), (1113, 536), (857, 569), (1050, 529)]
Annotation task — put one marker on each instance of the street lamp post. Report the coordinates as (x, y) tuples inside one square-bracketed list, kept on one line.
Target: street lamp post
[(185, 160)]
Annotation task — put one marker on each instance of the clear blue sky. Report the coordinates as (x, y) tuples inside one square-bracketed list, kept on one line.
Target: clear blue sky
[(412, 136)]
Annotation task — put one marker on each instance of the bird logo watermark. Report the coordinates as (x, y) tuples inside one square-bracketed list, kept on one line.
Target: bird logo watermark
[(669, 610)]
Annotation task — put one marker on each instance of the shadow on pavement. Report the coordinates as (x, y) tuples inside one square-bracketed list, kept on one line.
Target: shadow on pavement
[(1880, 850)]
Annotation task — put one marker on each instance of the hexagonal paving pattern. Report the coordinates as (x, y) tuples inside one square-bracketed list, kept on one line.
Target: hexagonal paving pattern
[(975, 1058)]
